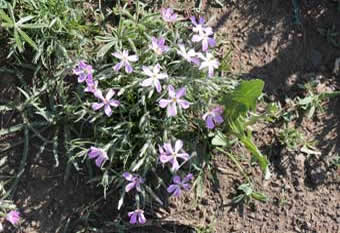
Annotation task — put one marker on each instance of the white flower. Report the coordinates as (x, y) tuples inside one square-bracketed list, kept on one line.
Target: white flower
[(210, 62), (190, 56)]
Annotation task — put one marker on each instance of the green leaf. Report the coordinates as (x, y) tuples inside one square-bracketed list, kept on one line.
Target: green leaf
[(219, 140), (262, 160), (105, 48), (5, 17), (242, 99), (259, 196), (28, 39)]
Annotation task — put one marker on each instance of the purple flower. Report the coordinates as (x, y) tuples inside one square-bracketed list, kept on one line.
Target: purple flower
[(209, 62), (137, 216), (190, 56), (125, 61), (98, 154), (13, 217), (91, 86), (84, 71), (168, 15), (198, 26), (204, 36), (158, 45), (107, 102), (168, 154), (155, 76), (213, 117), (175, 98), (176, 188), (135, 181)]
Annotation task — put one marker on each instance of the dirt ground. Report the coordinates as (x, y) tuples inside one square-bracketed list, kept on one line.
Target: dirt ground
[(304, 191)]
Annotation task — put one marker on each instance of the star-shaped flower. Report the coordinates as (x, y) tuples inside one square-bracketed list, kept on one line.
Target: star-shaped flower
[(175, 98), (154, 77), (107, 102), (125, 60)]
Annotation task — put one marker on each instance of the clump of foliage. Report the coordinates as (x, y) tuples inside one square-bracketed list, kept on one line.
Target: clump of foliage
[(139, 96)]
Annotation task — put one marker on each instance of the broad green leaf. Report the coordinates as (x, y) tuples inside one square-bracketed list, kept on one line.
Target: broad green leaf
[(242, 99), (219, 140), (248, 92)]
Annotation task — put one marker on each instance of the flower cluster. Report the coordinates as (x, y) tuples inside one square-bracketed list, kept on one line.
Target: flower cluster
[(176, 102)]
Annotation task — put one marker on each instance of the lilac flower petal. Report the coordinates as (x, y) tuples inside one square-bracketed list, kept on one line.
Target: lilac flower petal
[(132, 58), (163, 103), (177, 192), (118, 66), (110, 94), (193, 20), (218, 119), (93, 153), (117, 55), (147, 71), (201, 20), (156, 68), (196, 38), (114, 103), (175, 165), (161, 41), (91, 88), (204, 45), (172, 188), (186, 187), (158, 85), (128, 68), (107, 110), (147, 82), (13, 217), (205, 115), (96, 106), (100, 160), (181, 92), (81, 78), (130, 186), (210, 71), (184, 156), (195, 60), (141, 218), (171, 90), (184, 104), (168, 148), (171, 110), (178, 145), (98, 94), (188, 178), (209, 122), (164, 158), (212, 42), (177, 180), (128, 176), (133, 218)]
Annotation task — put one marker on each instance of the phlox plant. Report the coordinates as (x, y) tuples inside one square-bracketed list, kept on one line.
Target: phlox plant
[(155, 85), (140, 100)]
